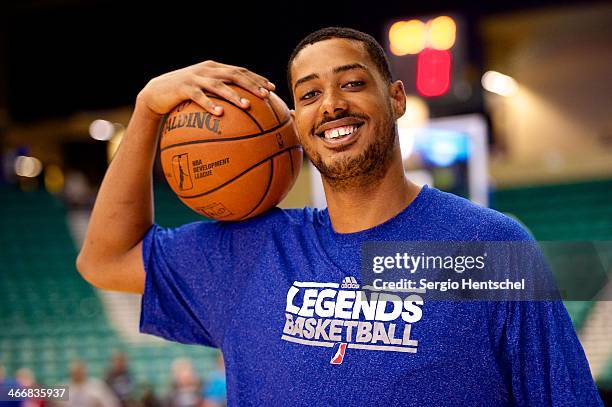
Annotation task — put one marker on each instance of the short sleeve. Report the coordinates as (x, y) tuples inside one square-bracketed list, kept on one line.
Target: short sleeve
[(546, 361), (189, 283)]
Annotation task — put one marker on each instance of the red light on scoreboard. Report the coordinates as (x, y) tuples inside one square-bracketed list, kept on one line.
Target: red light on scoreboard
[(433, 72)]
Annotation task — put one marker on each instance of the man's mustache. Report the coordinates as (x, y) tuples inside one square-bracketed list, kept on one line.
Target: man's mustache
[(328, 119)]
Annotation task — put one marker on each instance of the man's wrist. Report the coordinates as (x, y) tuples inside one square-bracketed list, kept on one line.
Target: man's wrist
[(141, 109)]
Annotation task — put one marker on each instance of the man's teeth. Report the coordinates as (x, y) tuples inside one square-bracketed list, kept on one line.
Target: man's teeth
[(339, 132)]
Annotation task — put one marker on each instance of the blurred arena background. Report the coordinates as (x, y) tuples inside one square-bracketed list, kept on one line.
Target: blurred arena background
[(509, 104)]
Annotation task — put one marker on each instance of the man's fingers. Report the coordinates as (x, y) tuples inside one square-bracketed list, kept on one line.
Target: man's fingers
[(209, 105), (214, 77), (251, 85), (247, 80), (259, 80), (221, 89), (264, 82), (254, 83)]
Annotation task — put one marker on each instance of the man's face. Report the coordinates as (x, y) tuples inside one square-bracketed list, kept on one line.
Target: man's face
[(344, 110)]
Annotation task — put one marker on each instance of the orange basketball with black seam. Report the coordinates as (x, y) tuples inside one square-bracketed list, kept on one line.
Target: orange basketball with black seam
[(234, 166)]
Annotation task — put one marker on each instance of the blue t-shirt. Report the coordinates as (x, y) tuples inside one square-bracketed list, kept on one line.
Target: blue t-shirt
[(276, 294)]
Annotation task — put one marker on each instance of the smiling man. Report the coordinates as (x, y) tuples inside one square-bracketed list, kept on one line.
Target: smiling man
[(281, 294), (346, 107)]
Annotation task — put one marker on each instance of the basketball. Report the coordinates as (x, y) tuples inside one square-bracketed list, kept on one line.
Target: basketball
[(235, 166)]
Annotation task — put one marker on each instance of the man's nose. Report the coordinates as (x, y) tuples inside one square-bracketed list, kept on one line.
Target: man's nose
[(333, 103)]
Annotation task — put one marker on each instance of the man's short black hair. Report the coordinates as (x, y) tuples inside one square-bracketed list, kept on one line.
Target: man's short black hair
[(372, 47)]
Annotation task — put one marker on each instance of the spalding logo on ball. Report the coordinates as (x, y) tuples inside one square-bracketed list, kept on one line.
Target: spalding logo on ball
[(234, 166)]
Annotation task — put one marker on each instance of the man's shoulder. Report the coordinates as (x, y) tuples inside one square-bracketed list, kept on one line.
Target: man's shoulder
[(279, 217), (469, 221), (271, 220)]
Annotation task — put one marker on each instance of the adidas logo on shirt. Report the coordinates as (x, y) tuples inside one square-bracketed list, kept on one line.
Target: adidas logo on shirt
[(349, 282)]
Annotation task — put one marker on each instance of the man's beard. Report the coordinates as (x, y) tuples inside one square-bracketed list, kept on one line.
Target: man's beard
[(365, 169)]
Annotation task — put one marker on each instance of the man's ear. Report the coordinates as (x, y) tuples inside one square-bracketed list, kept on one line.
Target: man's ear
[(398, 98)]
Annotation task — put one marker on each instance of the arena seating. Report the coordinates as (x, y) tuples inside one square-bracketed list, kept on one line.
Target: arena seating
[(579, 211), (571, 212), (49, 315)]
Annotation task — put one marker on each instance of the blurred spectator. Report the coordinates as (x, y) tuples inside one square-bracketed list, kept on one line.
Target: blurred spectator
[(25, 378), (87, 392), (119, 379), (215, 392), (148, 398), (6, 383), (186, 385)]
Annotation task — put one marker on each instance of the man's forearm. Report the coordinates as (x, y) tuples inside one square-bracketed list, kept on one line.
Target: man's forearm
[(124, 206)]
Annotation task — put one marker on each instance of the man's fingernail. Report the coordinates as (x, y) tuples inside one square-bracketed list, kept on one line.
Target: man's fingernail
[(271, 85), (218, 109), (244, 101), (264, 91)]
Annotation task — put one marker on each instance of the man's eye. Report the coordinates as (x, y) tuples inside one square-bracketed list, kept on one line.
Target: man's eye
[(309, 95), (354, 84)]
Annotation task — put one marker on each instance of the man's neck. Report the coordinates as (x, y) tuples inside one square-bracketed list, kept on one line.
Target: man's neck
[(370, 204)]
